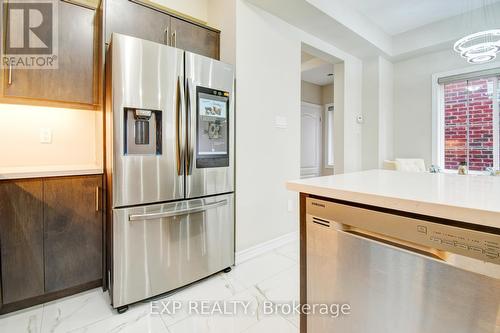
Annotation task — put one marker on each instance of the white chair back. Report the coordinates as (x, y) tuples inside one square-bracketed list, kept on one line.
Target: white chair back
[(410, 165), (389, 165)]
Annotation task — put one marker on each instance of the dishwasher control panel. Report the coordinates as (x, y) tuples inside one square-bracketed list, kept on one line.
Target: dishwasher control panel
[(475, 244), (446, 238)]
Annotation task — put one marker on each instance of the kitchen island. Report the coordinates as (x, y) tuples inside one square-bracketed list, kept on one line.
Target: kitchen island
[(401, 249)]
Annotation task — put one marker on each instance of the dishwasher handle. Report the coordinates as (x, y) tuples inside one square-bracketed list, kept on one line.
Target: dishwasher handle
[(176, 212), (448, 258), (407, 246)]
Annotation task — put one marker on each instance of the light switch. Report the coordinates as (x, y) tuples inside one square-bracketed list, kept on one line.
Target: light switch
[(280, 122), (45, 135), (290, 205)]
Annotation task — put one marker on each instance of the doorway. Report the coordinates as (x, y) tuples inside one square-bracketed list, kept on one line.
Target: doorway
[(311, 144), (317, 116)]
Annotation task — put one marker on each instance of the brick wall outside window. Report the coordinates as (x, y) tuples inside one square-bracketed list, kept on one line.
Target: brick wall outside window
[(468, 123)]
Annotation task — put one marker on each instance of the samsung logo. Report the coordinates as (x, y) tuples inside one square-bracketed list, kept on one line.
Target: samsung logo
[(318, 204)]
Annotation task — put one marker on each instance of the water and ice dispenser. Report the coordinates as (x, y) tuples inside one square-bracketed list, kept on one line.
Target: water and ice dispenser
[(143, 132)]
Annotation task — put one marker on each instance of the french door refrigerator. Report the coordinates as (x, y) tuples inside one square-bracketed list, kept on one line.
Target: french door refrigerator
[(169, 167)]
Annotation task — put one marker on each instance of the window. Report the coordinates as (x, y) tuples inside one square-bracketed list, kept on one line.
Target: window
[(469, 124)]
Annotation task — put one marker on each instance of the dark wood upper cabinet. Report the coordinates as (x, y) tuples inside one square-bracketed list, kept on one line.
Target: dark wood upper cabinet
[(129, 18), (142, 21), (21, 239), (74, 80), (73, 231), (193, 38)]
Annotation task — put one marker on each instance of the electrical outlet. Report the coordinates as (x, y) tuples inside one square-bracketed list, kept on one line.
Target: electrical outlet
[(45, 135)]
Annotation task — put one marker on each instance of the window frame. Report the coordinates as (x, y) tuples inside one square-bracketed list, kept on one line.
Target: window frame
[(438, 106)]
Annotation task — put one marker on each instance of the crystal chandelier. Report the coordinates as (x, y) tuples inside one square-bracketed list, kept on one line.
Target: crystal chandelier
[(479, 47)]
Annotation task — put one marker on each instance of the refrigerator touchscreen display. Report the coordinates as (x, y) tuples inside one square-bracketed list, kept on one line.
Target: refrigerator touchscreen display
[(212, 128)]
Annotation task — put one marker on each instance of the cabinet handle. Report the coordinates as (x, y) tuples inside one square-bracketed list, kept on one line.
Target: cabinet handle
[(10, 74), (97, 190), (165, 37), (174, 38)]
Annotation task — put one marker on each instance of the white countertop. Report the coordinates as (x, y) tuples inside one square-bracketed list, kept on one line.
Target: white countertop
[(473, 199), (48, 171)]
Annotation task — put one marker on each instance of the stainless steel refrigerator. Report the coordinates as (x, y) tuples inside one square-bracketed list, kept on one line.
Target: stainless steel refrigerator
[(169, 166)]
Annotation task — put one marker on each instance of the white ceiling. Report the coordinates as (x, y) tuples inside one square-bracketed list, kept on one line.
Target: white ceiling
[(315, 70), (339, 23), (398, 16)]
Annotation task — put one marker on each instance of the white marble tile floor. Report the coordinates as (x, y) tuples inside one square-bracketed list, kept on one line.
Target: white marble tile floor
[(271, 277)]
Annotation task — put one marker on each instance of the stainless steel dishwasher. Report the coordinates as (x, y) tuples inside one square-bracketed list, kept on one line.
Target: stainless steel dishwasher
[(400, 274)]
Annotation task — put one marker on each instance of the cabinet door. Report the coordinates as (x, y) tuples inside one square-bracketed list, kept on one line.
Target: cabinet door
[(193, 38), (73, 81), (129, 18), (21, 239), (72, 231)]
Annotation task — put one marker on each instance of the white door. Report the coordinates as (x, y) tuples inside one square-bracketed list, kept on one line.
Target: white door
[(310, 137)]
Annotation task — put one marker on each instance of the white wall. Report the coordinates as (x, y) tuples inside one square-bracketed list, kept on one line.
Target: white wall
[(316, 94), (413, 102), (311, 93), (268, 85), (339, 118), (352, 138), (327, 94), (222, 15), (370, 113), (386, 111), (268, 73), (378, 138), (194, 8), (76, 136)]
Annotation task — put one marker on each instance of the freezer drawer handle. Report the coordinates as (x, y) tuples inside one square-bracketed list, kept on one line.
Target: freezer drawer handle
[(154, 216)]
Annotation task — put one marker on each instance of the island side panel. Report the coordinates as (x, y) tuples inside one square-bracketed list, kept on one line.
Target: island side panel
[(303, 260)]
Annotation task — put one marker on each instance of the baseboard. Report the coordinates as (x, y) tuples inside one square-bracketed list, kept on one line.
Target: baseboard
[(262, 248)]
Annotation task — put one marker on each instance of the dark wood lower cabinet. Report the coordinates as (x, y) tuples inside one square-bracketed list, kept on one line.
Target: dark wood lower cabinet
[(21, 239), (72, 231), (51, 239)]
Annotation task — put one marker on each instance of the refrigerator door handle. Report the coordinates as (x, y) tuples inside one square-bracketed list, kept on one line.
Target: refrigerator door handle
[(178, 129), (189, 149), (166, 36), (177, 212)]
